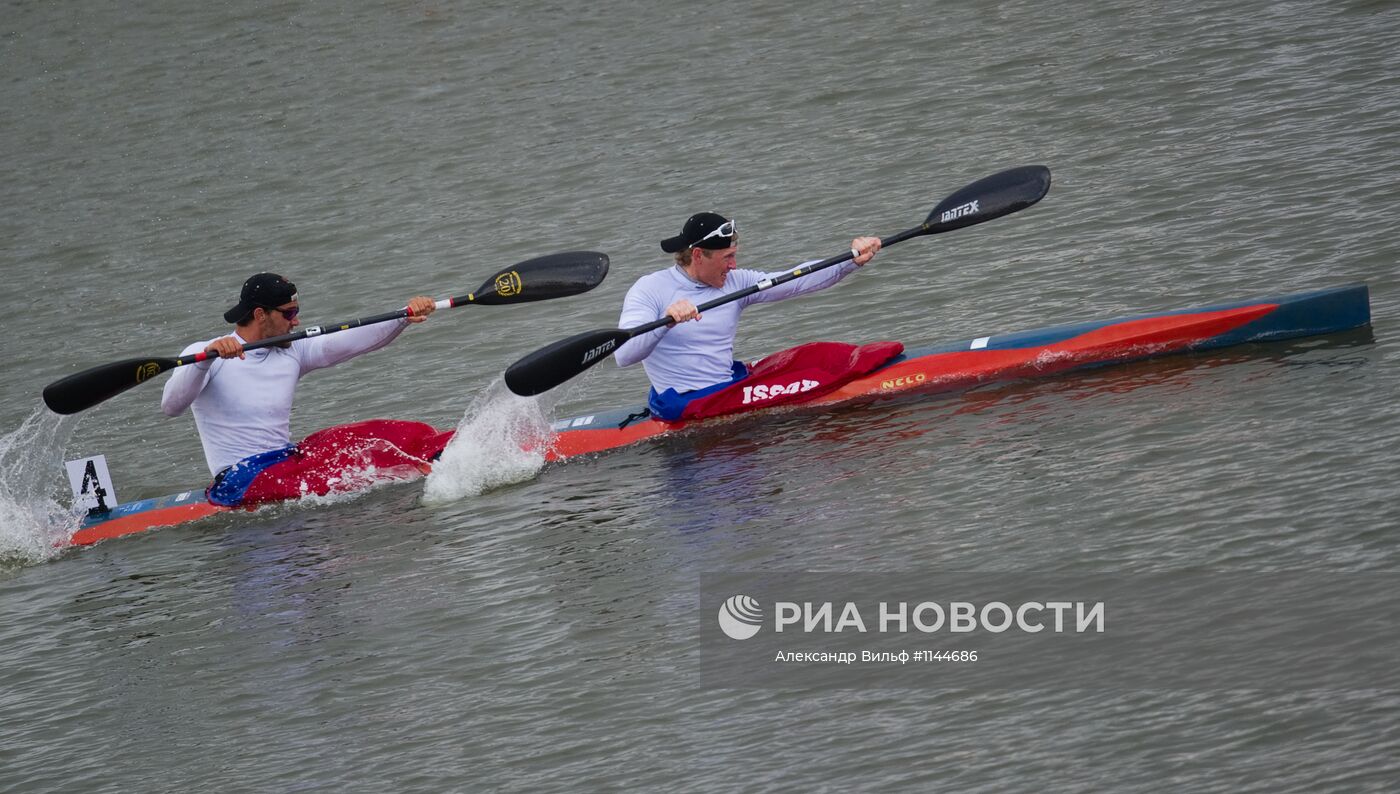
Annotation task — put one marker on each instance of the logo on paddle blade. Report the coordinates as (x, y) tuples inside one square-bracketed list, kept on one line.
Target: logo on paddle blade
[(958, 212), (740, 617), (148, 370), (508, 284), (600, 350)]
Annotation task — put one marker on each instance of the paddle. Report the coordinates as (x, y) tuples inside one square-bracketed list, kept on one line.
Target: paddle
[(992, 197), (542, 278)]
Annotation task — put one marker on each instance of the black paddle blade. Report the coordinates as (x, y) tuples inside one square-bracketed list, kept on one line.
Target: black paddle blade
[(82, 390), (544, 278), (990, 197), (550, 366)]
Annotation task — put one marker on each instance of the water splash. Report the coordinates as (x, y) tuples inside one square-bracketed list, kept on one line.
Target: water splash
[(501, 440), (34, 526)]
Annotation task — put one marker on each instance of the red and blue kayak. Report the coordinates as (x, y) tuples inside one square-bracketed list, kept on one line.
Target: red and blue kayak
[(1029, 354), (931, 370)]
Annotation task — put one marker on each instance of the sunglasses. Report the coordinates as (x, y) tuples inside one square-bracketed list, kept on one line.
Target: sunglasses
[(726, 229), (287, 314)]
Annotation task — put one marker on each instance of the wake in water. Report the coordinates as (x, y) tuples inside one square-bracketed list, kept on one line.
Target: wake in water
[(34, 526), (501, 439)]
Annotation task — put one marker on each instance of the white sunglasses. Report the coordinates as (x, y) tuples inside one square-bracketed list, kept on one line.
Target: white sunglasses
[(726, 229)]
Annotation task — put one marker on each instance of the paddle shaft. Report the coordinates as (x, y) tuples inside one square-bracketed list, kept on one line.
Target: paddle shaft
[(322, 330), (769, 283)]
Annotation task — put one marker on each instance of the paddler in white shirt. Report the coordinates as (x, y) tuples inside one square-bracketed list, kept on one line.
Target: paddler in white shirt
[(688, 360), (242, 401)]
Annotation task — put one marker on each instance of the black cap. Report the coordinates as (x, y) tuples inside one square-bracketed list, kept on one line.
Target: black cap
[(694, 234), (267, 290)]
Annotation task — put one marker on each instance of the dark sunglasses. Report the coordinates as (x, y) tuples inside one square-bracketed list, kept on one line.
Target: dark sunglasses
[(287, 314)]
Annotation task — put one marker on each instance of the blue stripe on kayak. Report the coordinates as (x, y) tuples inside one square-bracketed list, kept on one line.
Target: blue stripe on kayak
[(144, 505), (1301, 314), (1307, 314)]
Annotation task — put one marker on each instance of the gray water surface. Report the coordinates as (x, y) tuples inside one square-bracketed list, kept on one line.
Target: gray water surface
[(542, 635)]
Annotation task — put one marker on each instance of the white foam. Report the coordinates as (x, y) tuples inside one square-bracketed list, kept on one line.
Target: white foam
[(34, 525), (501, 439)]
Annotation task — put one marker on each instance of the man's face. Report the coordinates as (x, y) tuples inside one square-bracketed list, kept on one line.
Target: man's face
[(275, 322), (711, 267)]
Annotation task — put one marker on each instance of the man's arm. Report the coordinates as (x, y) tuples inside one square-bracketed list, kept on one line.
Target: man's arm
[(866, 247), (318, 352), (640, 307), (186, 383)]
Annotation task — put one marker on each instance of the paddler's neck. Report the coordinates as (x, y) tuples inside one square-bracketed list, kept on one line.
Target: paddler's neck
[(685, 271)]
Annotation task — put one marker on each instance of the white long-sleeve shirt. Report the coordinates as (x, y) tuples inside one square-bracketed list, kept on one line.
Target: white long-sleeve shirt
[(244, 406), (692, 355)]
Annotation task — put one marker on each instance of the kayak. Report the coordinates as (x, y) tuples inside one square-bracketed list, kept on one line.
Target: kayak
[(938, 369), (1028, 354)]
